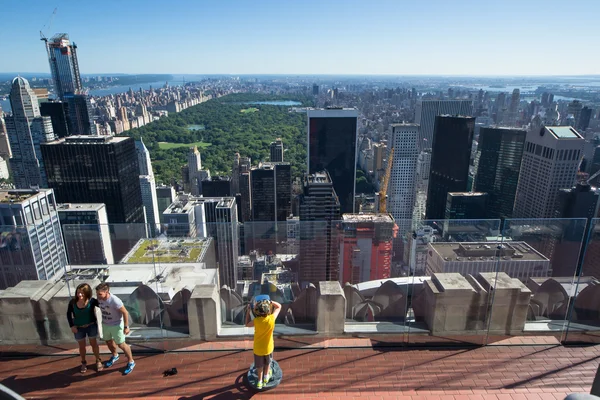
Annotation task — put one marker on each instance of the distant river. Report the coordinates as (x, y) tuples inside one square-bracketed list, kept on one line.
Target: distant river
[(177, 80), (124, 88), (5, 104)]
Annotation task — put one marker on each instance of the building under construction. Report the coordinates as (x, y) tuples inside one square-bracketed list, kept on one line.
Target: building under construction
[(366, 247)]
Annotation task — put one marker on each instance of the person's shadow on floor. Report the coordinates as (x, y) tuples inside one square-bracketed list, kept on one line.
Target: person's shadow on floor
[(55, 380)]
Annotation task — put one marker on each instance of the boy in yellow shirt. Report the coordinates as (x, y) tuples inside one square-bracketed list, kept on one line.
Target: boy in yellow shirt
[(266, 312)]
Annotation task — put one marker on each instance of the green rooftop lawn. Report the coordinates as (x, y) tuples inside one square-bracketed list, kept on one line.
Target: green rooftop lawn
[(165, 253)]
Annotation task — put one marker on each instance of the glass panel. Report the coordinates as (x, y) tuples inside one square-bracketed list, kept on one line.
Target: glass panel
[(31, 258), (110, 254), (524, 279), (584, 320), (184, 255), (269, 262), (375, 281), (548, 254), (452, 266)]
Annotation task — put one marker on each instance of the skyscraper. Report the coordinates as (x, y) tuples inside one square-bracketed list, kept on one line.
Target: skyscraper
[(466, 205), (245, 166), (62, 56), (227, 240), (262, 183), (401, 189), (427, 110), (581, 201), (500, 107), (271, 205), (501, 151), (271, 192), (122, 116), (5, 151), (450, 159), (99, 169), (58, 111), (319, 217), (27, 129), (547, 99), (216, 186), (551, 159), (150, 201), (366, 247), (574, 110), (143, 156), (196, 173), (276, 150), (208, 217), (148, 188), (86, 233), (379, 154), (423, 171), (513, 108), (80, 115), (246, 196), (584, 118), (332, 139), (165, 195), (32, 246), (235, 174)]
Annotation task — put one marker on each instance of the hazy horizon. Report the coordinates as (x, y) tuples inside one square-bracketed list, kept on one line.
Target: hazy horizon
[(307, 74)]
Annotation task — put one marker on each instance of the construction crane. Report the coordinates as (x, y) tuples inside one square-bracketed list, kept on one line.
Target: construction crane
[(384, 184), (49, 25)]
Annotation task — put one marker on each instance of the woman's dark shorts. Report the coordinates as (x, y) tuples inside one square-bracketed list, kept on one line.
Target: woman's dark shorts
[(91, 331)]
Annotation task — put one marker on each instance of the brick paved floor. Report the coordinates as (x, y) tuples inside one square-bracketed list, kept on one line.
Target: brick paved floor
[(493, 372)]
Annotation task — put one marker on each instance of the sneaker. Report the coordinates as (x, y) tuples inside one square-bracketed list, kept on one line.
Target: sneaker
[(130, 367), (111, 361), (267, 378), (259, 385)]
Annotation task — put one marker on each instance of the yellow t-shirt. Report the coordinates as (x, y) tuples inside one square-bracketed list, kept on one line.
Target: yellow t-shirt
[(263, 335)]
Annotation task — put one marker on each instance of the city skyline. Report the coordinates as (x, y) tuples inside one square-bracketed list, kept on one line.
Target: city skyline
[(213, 38)]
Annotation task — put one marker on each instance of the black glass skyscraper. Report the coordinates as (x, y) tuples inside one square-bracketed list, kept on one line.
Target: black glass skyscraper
[(80, 118), (500, 153), (332, 147), (96, 169), (319, 217), (217, 186), (271, 192), (450, 158), (58, 111), (469, 205)]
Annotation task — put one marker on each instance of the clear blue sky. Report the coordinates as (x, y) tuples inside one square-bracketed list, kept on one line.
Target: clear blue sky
[(454, 37)]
